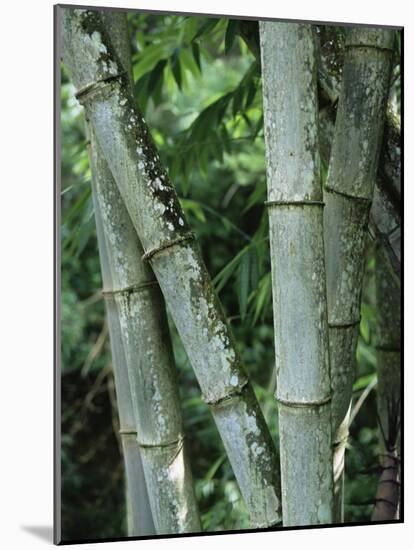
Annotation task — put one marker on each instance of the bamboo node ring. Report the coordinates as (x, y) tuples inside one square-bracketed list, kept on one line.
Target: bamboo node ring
[(96, 85), (149, 254), (351, 45), (294, 203), (344, 324), (130, 289), (175, 443), (229, 395), (300, 404), (365, 200)]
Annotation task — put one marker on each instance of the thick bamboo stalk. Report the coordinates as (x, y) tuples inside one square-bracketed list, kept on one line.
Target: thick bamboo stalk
[(385, 217), (149, 360), (174, 255), (146, 341), (348, 196), (388, 345), (385, 214), (298, 272), (138, 508)]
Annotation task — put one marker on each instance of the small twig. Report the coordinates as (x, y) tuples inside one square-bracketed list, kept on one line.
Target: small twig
[(95, 351)]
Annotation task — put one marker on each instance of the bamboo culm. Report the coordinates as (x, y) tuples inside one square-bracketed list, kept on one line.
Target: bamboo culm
[(174, 255), (348, 196), (139, 517), (298, 272), (388, 346), (385, 214), (149, 358)]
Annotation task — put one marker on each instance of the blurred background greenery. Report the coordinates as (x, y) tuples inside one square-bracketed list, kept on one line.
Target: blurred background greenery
[(198, 85)]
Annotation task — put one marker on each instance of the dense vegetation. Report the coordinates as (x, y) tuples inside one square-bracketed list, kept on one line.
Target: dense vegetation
[(199, 85)]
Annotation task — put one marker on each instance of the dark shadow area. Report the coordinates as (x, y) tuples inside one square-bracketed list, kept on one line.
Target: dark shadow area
[(44, 532)]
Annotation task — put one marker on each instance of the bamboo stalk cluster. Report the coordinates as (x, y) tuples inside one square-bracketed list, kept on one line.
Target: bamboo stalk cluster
[(317, 244)]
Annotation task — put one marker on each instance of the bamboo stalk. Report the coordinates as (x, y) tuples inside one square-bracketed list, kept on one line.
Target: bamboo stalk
[(298, 271), (385, 214), (348, 196), (146, 341), (174, 255), (388, 344), (139, 518)]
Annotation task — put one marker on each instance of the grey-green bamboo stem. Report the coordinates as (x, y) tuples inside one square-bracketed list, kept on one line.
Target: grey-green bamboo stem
[(298, 272), (146, 341), (385, 215), (175, 258), (348, 196), (139, 518)]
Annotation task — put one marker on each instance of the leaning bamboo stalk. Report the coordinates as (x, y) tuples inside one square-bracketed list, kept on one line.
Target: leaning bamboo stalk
[(298, 272), (146, 341), (388, 347), (348, 196), (174, 255), (139, 518)]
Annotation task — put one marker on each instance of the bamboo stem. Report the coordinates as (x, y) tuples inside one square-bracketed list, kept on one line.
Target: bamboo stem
[(139, 518), (388, 343), (175, 258), (139, 305), (298, 272), (348, 196)]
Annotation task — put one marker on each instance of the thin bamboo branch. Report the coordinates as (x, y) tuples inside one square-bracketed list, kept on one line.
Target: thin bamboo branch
[(348, 196), (146, 342), (298, 272), (173, 253)]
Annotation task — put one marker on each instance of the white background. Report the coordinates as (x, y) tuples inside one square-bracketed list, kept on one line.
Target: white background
[(26, 267)]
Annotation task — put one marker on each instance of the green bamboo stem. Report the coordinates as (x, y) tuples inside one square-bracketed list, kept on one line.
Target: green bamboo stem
[(298, 272), (146, 341), (348, 196), (174, 255), (139, 518), (388, 344)]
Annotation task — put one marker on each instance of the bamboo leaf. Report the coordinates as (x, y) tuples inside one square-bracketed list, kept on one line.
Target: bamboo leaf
[(231, 31), (176, 67)]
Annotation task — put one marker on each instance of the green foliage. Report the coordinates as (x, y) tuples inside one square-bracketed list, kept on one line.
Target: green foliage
[(199, 87)]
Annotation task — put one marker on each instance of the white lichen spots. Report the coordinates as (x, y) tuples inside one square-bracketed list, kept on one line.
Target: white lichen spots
[(251, 424), (157, 184), (160, 208), (170, 226), (97, 42), (181, 221), (123, 101), (234, 380), (141, 165), (198, 317)]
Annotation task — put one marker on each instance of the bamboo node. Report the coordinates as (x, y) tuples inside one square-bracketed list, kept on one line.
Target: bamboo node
[(365, 200), (294, 203), (179, 442), (129, 289), (302, 404), (352, 45), (92, 87), (229, 395), (344, 324), (149, 254), (127, 432)]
